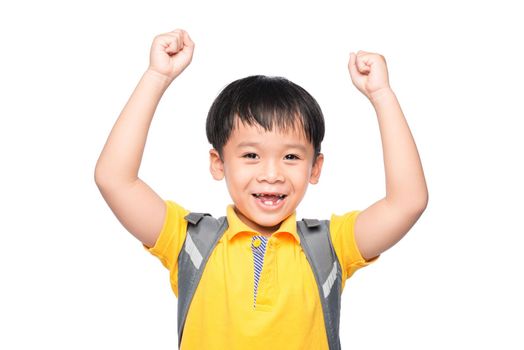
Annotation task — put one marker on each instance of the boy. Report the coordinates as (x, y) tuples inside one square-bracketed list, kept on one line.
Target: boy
[(257, 290)]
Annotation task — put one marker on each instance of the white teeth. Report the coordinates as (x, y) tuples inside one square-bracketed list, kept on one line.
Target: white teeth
[(272, 203), (280, 196)]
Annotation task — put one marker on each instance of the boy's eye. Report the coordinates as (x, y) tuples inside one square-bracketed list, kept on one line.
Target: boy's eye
[(250, 155), (291, 157)]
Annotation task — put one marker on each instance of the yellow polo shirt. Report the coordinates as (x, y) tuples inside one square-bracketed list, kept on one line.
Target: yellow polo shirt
[(287, 315)]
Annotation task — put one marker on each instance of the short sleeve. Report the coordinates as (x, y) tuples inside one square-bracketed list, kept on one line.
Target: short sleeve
[(170, 240), (342, 228)]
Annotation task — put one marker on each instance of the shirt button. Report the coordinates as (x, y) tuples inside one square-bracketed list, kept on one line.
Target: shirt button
[(257, 242)]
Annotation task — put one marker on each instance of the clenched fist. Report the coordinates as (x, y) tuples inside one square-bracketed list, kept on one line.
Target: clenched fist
[(368, 72), (171, 53)]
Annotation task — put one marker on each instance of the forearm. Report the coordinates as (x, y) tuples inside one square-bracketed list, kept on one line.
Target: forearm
[(405, 182), (121, 156)]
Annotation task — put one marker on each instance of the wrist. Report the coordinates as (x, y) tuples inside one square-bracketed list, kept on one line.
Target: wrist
[(158, 78), (381, 95)]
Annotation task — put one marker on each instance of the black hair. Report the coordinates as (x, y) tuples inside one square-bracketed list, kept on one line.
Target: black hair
[(268, 102)]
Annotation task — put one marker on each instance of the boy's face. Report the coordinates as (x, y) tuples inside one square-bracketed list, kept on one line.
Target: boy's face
[(267, 173)]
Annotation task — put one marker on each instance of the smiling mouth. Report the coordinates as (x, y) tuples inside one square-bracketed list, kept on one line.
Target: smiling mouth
[(269, 198)]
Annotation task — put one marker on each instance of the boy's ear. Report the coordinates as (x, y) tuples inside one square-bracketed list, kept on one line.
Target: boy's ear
[(316, 169), (216, 165)]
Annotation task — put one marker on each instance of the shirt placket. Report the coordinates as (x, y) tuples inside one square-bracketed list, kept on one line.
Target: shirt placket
[(264, 271)]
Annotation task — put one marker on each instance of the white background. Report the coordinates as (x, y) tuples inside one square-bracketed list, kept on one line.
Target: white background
[(73, 278)]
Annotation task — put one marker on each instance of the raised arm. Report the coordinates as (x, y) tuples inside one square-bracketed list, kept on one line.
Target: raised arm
[(140, 210), (385, 222)]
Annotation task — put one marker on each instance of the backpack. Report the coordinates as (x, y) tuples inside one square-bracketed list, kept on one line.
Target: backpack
[(203, 233)]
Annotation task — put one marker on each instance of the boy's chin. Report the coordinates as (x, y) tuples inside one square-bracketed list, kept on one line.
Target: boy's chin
[(266, 223), (270, 223)]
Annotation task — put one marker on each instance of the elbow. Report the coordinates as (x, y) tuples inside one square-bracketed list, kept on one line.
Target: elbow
[(101, 177), (109, 178), (104, 174), (420, 204), (98, 174), (418, 200), (413, 205)]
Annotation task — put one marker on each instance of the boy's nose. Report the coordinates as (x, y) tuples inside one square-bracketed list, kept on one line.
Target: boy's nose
[(271, 173)]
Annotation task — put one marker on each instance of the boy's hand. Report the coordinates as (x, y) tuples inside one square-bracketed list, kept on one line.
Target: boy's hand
[(171, 53), (369, 73)]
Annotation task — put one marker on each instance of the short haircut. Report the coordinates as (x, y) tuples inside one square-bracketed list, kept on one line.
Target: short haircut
[(270, 102)]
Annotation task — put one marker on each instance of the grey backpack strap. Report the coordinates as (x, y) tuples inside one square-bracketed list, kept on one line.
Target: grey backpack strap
[(203, 233), (315, 240)]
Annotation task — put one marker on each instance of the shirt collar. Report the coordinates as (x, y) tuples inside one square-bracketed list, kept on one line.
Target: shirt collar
[(236, 225)]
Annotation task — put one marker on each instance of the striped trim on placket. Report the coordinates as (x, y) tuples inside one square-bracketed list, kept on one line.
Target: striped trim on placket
[(258, 246)]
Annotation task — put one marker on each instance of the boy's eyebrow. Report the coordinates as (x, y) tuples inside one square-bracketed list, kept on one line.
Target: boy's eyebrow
[(247, 144), (287, 145), (296, 145)]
